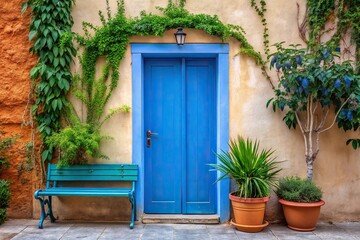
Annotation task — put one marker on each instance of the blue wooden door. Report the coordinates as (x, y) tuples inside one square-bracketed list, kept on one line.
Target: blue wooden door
[(180, 113)]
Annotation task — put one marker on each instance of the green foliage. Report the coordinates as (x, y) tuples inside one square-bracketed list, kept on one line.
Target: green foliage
[(50, 29), (261, 11), (315, 76), (347, 14), (4, 194), (253, 171), (4, 199), (5, 144), (26, 164), (81, 141), (355, 143), (317, 16), (77, 143), (295, 189), (52, 77), (2, 215)]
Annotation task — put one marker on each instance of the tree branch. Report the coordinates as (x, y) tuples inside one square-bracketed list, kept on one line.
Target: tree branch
[(302, 131), (302, 26), (323, 120), (308, 111), (332, 124), (311, 128), (317, 146)]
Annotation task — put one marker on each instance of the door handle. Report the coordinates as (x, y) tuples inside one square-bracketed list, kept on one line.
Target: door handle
[(149, 133), (148, 137)]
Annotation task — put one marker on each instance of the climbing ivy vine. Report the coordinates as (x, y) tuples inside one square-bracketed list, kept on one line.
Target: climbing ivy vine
[(51, 76), (111, 39), (326, 16), (261, 11)]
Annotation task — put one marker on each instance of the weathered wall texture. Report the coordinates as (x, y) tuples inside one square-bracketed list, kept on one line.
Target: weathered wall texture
[(336, 170), (15, 65)]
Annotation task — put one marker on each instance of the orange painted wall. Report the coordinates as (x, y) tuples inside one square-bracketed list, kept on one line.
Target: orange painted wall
[(15, 65)]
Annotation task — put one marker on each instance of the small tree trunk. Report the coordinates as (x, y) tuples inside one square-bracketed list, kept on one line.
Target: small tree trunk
[(309, 162)]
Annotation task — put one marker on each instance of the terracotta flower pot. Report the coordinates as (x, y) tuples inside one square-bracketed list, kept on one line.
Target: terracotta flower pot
[(249, 213), (301, 216)]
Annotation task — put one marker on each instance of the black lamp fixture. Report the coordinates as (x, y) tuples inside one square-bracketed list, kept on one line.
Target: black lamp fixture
[(180, 36)]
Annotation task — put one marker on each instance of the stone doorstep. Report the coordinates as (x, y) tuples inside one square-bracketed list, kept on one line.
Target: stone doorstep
[(180, 218)]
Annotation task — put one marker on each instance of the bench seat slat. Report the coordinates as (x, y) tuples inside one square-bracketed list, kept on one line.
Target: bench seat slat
[(74, 189), (85, 192), (95, 166), (93, 172), (94, 178)]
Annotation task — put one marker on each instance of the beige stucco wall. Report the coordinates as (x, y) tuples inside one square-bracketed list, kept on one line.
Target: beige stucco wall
[(337, 167)]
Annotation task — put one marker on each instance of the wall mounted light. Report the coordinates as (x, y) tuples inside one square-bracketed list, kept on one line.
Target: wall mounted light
[(180, 36)]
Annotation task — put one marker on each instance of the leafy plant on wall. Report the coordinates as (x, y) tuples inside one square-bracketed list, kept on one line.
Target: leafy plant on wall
[(5, 144), (81, 139), (316, 80), (311, 84), (4, 199), (51, 76)]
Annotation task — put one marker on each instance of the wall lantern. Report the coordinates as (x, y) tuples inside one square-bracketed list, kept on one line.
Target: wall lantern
[(180, 36)]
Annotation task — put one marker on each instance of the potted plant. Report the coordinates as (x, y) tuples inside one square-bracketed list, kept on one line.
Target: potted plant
[(301, 202), (254, 172)]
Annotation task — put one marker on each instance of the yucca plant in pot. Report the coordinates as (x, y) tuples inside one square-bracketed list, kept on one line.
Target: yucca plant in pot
[(301, 202), (254, 173)]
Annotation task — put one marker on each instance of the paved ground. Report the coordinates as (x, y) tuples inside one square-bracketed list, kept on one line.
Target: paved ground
[(27, 229)]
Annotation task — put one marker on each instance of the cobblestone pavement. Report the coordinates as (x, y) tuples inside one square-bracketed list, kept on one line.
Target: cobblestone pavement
[(27, 229)]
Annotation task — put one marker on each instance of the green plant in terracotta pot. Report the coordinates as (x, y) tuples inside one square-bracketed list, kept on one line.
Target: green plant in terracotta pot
[(301, 202), (254, 173)]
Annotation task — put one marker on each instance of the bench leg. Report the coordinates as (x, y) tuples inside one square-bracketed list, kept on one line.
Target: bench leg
[(133, 210), (49, 212), (43, 215)]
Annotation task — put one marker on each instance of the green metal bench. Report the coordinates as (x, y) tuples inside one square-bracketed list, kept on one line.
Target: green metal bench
[(56, 178)]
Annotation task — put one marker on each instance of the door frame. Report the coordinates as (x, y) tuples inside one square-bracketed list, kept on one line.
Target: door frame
[(220, 52)]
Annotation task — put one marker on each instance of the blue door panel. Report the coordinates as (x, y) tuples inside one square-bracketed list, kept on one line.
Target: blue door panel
[(180, 108), (163, 158), (200, 137)]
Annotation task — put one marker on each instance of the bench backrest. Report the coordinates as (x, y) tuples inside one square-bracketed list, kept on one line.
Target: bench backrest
[(93, 172)]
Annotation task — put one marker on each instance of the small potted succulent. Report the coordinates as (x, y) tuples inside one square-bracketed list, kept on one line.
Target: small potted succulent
[(301, 202), (254, 172)]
